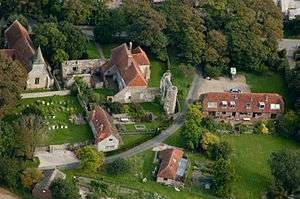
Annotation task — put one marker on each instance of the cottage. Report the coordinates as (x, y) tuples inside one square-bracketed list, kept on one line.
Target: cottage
[(172, 167), (242, 106), (42, 189), (106, 136), (20, 47), (128, 70), (88, 70)]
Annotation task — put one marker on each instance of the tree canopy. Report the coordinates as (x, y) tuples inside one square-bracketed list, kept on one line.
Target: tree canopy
[(90, 158)]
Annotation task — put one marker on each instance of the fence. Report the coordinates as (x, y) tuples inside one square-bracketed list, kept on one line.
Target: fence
[(45, 94)]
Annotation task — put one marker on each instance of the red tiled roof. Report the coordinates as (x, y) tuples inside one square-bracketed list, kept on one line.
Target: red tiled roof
[(18, 38), (169, 163), (129, 64), (102, 124), (241, 100), (140, 56)]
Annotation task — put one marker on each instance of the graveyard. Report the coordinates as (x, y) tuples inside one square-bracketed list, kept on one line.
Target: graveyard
[(64, 118)]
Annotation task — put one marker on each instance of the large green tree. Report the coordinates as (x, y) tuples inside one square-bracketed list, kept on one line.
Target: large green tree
[(12, 82), (90, 158), (63, 189), (145, 26), (223, 176), (7, 139), (285, 168)]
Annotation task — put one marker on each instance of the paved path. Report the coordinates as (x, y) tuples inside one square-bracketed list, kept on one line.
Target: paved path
[(156, 141)]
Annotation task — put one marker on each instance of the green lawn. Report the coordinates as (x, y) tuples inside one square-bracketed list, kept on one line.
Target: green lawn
[(157, 70), (92, 51), (251, 153), (57, 111), (129, 141), (270, 83)]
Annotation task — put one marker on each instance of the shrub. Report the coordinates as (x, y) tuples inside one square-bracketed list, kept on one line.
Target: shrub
[(208, 140), (116, 107), (90, 158), (221, 150), (212, 71), (118, 167), (62, 189), (30, 177)]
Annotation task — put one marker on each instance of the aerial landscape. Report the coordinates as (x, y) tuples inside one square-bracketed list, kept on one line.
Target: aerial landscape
[(149, 99)]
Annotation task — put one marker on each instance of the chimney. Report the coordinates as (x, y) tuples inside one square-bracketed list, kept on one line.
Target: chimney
[(130, 46), (101, 127)]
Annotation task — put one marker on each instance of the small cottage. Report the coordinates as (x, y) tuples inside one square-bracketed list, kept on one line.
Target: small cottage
[(106, 136)]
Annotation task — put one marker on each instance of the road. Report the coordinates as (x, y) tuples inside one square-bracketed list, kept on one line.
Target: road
[(156, 141)]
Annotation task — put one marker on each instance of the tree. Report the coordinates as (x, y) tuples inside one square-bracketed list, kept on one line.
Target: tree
[(7, 139), (209, 140), (97, 189), (285, 169), (287, 124), (63, 189), (184, 30), (145, 26), (118, 167), (30, 177), (90, 158), (9, 172), (12, 82), (77, 11), (223, 176), (76, 42), (221, 150), (30, 133)]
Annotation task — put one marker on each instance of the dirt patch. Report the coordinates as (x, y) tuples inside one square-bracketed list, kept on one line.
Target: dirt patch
[(4, 194)]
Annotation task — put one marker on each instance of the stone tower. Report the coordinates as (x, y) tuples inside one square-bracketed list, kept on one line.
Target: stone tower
[(168, 94)]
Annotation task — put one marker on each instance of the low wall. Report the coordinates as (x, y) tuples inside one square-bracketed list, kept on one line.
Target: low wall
[(45, 94)]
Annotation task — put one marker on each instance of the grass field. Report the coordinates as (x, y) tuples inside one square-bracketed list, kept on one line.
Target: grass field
[(269, 83), (129, 141), (92, 51), (57, 111), (157, 70), (107, 47), (251, 154)]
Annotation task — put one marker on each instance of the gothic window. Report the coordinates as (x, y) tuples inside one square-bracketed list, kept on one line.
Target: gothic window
[(37, 81)]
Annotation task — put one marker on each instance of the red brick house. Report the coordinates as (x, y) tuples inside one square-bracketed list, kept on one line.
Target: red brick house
[(130, 70), (106, 136), (242, 106), (172, 166)]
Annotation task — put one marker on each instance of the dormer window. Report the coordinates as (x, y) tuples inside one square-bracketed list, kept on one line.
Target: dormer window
[(232, 104), (212, 105), (248, 105), (261, 105), (224, 104), (275, 106)]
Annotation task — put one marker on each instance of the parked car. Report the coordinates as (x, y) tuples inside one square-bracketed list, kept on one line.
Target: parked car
[(235, 90)]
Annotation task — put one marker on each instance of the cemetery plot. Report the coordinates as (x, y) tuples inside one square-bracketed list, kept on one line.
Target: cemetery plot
[(64, 118)]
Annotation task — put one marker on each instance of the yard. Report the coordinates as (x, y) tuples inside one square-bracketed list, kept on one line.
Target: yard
[(63, 119), (92, 51), (270, 83), (251, 153)]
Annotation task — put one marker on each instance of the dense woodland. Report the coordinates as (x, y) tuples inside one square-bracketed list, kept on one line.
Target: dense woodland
[(213, 35)]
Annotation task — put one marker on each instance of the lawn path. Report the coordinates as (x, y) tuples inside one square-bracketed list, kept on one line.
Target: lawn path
[(100, 50), (179, 121)]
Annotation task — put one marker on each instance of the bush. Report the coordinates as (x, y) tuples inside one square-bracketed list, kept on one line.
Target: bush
[(221, 150), (62, 189), (116, 107), (212, 71), (208, 140), (118, 167), (90, 158), (30, 177)]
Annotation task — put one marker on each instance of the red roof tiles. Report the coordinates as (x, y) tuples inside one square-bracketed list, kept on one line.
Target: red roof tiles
[(243, 102), (17, 38), (128, 64), (102, 124), (169, 163)]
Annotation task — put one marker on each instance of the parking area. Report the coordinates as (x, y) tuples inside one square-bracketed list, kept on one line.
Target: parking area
[(57, 159), (224, 84)]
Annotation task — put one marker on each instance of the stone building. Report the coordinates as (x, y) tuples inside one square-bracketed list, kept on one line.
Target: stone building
[(42, 189), (128, 71), (88, 70), (168, 94), (20, 47), (242, 106), (106, 136)]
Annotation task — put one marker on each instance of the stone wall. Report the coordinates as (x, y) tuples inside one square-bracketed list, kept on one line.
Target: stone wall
[(168, 94), (136, 94), (45, 94)]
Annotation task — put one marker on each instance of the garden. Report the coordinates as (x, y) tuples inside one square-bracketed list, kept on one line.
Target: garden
[(64, 118)]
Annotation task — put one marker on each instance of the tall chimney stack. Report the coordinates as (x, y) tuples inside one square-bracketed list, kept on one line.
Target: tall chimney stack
[(130, 46)]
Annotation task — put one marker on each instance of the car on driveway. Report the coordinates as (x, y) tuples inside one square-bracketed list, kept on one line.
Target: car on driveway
[(235, 90)]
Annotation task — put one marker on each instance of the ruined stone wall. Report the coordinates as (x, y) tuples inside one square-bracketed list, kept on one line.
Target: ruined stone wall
[(136, 94), (168, 94)]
